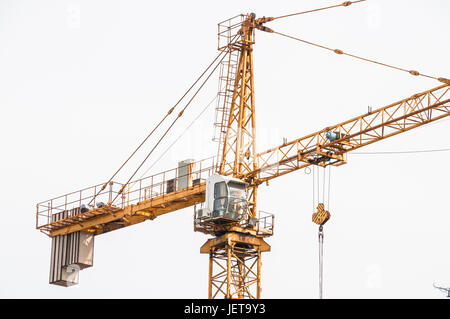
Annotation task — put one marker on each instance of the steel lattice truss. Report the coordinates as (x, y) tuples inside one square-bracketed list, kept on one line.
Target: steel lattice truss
[(234, 272), (238, 155), (374, 126)]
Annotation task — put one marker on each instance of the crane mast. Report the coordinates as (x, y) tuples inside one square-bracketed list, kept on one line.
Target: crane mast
[(224, 191), (239, 148), (235, 252)]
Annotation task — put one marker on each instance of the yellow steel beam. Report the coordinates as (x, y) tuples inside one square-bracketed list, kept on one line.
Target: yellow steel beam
[(232, 237), (316, 148), (237, 258), (133, 214)]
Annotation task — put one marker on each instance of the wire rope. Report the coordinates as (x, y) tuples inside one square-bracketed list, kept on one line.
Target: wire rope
[(170, 127), (340, 52), (156, 127), (314, 188), (179, 137), (344, 4), (329, 187)]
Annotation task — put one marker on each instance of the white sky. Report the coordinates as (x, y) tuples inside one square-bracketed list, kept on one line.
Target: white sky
[(82, 82)]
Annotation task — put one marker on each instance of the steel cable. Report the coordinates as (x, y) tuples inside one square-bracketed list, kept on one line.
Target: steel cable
[(178, 138), (314, 188), (321, 235), (156, 127), (344, 4), (329, 187), (340, 52), (170, 127)]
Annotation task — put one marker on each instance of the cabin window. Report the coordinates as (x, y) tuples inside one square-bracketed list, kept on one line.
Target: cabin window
[(220, 197)]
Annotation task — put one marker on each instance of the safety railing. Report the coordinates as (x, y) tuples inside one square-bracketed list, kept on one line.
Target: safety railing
[(227, 30), (265, 223), (206, 223), (90, 198)]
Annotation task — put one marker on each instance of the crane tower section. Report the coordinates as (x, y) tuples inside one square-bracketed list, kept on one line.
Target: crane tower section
[(229, 212), (238, 152)]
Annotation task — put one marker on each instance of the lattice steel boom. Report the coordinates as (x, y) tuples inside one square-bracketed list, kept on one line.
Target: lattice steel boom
[(318, 149)]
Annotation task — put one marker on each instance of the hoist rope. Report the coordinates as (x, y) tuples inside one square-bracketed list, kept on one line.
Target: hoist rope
[(318, 184), (329, 187), (326, 186), (156, 127), (320, 261), (340, 52), (314, 188), (178, 138), (316, 181), (323, 192), (344, 4), (171, 125)]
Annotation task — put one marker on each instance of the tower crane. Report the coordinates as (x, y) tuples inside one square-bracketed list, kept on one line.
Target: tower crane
[(224, 189)]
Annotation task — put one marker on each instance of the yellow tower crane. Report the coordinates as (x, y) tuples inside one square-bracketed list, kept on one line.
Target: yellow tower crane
[(223, 190)]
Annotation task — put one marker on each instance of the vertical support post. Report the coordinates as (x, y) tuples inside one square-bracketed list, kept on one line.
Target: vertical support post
[(228, 295), (128, 194), (95, 197), (210, 275), (140, 189), (151, 189), (241, 278), (258, 274), (176, 179), (110, 192), (164, 184)]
